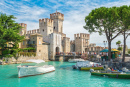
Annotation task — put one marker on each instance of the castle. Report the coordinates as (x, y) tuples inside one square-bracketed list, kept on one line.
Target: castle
[(49, 39)]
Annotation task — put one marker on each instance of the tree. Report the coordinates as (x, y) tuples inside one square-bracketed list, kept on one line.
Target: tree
[(129, 51), (104, 20), (118, 43), (124, 12), (9, 33), (120, 48)]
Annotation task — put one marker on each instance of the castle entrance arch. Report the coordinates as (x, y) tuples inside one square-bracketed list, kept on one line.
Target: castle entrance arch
[(57, 50), (86, 49)]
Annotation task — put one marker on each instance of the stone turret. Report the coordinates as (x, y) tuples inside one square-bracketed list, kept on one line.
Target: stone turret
[(58, 21), (81, 41), (46, 22), (46, 28), (24, 28), (57, 15)]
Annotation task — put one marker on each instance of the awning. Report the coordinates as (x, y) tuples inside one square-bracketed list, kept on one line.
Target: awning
[(104, 50), (114, 50)]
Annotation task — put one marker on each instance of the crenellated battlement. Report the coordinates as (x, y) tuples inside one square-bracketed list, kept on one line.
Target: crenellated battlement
[(66, 38), (72, 42), (46, 21), (33, 31), (81, 36), (23, 25), (57, 15)]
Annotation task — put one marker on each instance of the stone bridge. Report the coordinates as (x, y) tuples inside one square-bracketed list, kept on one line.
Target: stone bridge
[(66, 57)]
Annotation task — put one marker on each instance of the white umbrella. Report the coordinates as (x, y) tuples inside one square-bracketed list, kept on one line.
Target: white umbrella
[(35, 61)]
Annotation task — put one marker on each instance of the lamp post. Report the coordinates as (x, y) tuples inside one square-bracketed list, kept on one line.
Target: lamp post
[(105, 42)]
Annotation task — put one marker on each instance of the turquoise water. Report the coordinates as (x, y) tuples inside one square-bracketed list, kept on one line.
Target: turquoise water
[(64, 76)]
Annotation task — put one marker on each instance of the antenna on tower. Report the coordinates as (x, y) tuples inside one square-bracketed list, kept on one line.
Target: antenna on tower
[(56, 10)]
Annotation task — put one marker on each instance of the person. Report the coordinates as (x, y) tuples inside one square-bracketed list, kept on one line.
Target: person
[(106, 56), (102, 56)]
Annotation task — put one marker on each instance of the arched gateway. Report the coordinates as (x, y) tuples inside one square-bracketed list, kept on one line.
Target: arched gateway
[(57, 50)]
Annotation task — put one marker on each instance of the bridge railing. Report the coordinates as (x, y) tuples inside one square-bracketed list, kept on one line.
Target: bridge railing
[(70, 53)]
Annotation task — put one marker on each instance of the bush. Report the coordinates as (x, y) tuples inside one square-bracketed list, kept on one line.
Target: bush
[(5, 52), (8, 56), (20, 50), (92, 56)]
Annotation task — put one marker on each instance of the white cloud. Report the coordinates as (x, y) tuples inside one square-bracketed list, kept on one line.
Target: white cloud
[(74, 12), (74, 21)]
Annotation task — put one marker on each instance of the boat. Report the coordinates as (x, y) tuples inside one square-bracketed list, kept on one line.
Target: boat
[(75, 60), (88, 68), (31, 70), (111, 74), (86, 63), (124, 69)]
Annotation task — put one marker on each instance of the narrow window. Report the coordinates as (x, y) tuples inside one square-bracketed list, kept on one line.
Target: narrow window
[(23, 42), (33, 42), (43, 30), (54, 27), (39, 42)]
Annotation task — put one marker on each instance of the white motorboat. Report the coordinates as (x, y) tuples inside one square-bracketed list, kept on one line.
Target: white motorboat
[(75, 60), (29, 70), (85, 64)]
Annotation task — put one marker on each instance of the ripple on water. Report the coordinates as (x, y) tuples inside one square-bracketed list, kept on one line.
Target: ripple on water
[(63, 76)]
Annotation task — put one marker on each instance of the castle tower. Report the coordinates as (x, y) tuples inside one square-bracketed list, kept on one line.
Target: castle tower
[(24, 28), (58, 19), (81, 42), (46, 28)]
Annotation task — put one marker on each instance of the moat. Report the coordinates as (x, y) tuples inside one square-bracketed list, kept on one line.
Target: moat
[(63, 76)]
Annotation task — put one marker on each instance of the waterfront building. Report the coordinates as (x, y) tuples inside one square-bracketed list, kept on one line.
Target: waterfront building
[(49, 40), (81, 44)]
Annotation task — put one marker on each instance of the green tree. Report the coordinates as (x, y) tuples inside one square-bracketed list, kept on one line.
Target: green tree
[(124, 12), (118, 43), (104, 20), (120, 48), (9, 33), (129, 51)]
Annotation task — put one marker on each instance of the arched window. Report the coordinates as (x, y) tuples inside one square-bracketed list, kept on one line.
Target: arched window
[(43, 30), (54, 27)]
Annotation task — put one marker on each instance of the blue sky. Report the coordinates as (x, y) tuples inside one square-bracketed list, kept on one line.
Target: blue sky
[(30, 11)]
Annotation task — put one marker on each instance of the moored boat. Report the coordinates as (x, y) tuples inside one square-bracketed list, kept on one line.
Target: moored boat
[(112, 74), (88, 68), (30, 70), (85, 64), (75, 60)]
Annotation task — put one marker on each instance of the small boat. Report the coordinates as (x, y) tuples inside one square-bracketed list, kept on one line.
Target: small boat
[(88, 68), (124, 69), (78, 65), (31, 70), (75, 60), (112, 74)]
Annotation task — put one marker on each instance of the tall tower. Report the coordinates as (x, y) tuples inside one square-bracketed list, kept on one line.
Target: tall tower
[(58, 19), (81, 42), (46, 28), (24, 28)]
